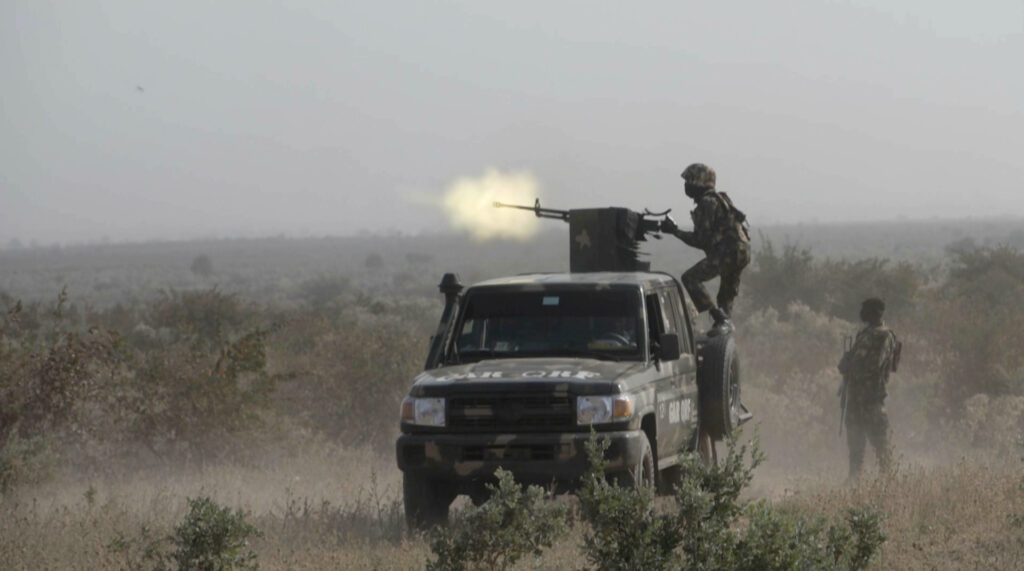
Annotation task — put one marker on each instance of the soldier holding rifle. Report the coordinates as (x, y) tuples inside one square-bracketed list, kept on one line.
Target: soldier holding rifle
[(865, 367)]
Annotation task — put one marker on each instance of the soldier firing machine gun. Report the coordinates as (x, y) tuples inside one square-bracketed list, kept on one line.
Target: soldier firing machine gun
[(603, 239)]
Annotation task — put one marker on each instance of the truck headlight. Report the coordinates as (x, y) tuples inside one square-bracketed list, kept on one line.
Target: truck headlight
[(423, 411), (598, 410)]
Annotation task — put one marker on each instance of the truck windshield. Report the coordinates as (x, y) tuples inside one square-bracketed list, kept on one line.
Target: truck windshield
[(602, 324)]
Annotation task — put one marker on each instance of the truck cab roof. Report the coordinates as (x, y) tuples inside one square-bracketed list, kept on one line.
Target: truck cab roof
[(581, 279)]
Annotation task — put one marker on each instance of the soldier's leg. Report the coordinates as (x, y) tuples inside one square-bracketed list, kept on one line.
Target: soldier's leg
[(693, 280), (878, 433), (855, 440), (728, 289), (732, 264)]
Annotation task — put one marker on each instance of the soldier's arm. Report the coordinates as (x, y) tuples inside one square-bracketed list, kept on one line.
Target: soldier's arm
[(688, 237)]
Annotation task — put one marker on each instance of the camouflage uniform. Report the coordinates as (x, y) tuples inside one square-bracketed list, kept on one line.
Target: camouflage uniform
[(725, 242), (866, 370)]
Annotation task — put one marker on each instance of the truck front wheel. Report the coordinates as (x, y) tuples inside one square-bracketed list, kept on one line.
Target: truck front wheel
[(426, 501), (641, 474)]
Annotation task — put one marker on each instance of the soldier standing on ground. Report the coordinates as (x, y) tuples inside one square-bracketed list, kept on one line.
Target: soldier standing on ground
[(719, 230), (865, 369)]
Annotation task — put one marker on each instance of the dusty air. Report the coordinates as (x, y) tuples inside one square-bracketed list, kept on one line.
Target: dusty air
[(469, 205)]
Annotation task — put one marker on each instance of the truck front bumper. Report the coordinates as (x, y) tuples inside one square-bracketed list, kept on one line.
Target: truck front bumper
[(467, 460)]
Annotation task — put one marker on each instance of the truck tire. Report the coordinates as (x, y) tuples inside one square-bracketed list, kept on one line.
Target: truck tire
[(719, 387), (640, 475), (426, 501)]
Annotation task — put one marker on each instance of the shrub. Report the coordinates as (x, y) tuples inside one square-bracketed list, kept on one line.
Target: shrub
[(510, 524), (212, 538), (712, 528), (624, 530), (984, 345), (324, 289), (202, 266), (835, 287), (351, 373), (209, 538), (205, 316), (46, 373)]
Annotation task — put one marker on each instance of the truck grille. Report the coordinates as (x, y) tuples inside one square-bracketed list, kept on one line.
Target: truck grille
[(520, 452), (511, 412)]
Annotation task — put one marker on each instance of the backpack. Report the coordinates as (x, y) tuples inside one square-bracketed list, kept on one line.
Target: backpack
[(739, 218)]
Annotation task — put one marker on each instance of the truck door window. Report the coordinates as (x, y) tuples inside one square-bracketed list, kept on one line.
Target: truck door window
[(666, 312), (673, 306), (655, 319)]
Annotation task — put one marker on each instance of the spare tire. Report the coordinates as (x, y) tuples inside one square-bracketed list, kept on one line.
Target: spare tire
[(718, 386)]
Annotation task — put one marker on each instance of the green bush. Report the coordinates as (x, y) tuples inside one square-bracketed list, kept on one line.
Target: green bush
[(624, 530), (983, 349), (513, 522), (47, 370), (834, 287), (209, 538), (212, 538), (207, 317), (711, 528)]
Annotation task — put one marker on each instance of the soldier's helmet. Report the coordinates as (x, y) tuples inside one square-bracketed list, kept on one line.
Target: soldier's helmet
[(700, 174)]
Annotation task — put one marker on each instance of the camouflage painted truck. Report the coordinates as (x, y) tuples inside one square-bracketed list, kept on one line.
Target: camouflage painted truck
[(522, 369)]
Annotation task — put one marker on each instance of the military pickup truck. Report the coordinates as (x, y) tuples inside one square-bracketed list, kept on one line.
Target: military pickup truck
[(523, 369)]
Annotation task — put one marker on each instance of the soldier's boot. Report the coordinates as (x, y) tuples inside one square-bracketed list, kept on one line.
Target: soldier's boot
[(719, 314), (722, 325)]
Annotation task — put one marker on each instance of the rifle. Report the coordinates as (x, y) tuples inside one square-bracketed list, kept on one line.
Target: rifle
[(844, 384)]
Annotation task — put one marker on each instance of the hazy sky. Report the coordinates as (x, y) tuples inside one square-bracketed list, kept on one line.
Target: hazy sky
[(136, 119)]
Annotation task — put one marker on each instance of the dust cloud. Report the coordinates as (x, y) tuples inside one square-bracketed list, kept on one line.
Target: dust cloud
[(469, 205)]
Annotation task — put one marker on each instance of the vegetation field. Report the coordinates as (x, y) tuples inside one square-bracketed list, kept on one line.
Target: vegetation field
[(234, 402)]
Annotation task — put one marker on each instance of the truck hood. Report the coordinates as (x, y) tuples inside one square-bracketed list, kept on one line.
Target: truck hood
[(581, 376)]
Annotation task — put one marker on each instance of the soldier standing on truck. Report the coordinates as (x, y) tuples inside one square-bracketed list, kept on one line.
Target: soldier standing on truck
[(719, 228), (865, 367)]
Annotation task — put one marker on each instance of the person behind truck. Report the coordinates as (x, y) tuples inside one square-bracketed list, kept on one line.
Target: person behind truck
[(719, 229), (865, 367)]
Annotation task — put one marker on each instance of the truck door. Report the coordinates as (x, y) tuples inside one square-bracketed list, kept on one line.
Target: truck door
[(677, 392)]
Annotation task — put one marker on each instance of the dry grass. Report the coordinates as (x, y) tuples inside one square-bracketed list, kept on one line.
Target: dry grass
[(322, 507), (941, 517)]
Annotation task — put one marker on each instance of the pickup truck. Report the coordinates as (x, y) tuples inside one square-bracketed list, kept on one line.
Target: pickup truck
[(523, 369)]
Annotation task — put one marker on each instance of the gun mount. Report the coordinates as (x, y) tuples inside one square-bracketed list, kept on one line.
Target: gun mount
[(603, 239)]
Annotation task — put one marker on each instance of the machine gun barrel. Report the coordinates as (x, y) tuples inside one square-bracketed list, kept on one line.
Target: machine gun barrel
[(538, 211), (604, 239)]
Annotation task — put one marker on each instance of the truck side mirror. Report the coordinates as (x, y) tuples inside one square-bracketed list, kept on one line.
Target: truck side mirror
[(669, 349)]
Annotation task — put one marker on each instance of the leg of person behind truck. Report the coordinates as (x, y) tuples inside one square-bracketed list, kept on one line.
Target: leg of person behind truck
[(856, 439), (877, 428)]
